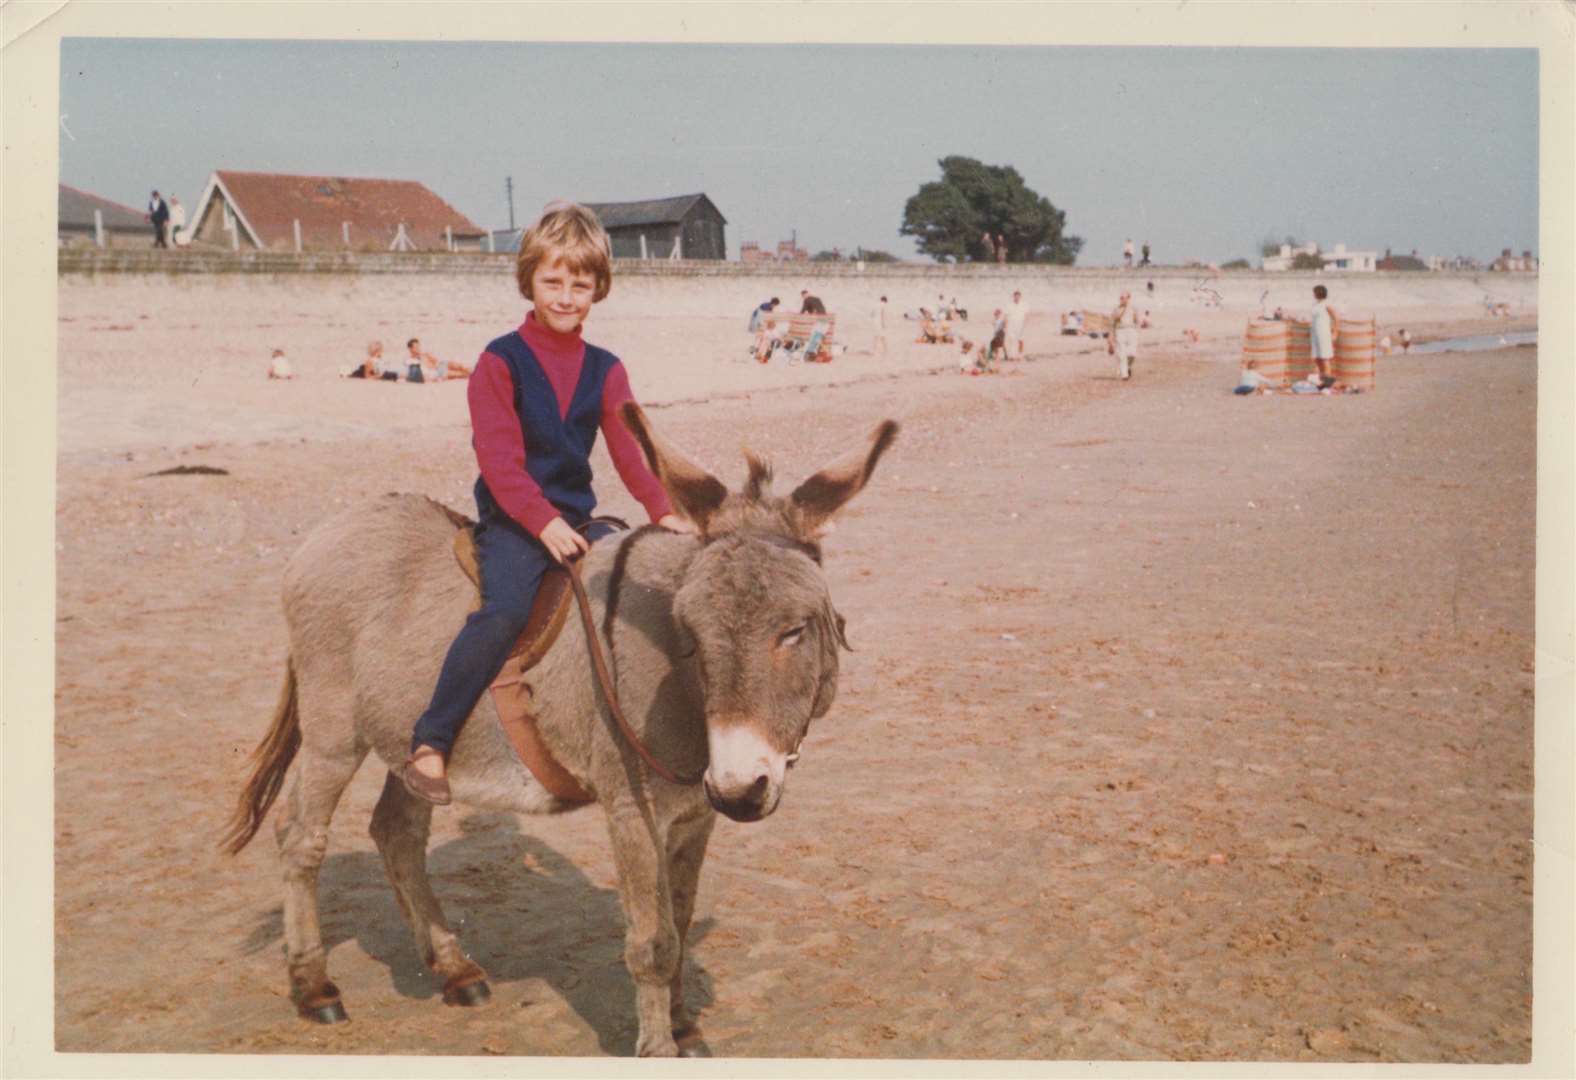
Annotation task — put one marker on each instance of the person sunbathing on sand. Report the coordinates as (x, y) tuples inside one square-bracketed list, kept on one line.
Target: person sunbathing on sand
[(371, 367), (1251, 379), (421, 362), (279, 366)]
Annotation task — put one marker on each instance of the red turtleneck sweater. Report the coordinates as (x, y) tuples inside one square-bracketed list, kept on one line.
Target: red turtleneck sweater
[(495, 427)]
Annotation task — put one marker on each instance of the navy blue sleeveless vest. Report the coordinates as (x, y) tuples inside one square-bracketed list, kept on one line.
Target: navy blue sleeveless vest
[(557, 449)]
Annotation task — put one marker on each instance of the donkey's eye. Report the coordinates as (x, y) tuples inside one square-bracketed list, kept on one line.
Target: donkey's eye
[(792, 637)]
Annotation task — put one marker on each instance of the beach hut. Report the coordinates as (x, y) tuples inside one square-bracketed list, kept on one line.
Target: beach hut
[(681, 227), (88, 220), (280, 212)]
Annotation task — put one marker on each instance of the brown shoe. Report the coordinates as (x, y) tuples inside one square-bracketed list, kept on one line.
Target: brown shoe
[(427, 788)]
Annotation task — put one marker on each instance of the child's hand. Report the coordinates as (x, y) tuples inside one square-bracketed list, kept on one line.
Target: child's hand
[(674, 523), (562, 542)]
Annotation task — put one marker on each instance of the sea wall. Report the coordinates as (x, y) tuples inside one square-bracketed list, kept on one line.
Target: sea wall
[(700, 288)]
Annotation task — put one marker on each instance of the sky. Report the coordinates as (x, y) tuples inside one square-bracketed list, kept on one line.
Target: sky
[(1201, 152)]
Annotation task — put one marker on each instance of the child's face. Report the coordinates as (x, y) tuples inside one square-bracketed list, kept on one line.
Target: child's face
[(562, 297)]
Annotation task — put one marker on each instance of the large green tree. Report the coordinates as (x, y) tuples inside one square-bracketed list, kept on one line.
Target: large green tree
[(950, 216)]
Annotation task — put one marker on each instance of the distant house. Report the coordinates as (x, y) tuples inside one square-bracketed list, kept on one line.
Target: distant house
[(1337, 259), (683, 227), (278, 212), (1509, 260), (787, 251), (1401, 262), (123, 226)]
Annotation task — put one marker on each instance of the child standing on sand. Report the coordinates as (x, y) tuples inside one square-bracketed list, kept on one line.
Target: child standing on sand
[(537, 398), (998, 336)]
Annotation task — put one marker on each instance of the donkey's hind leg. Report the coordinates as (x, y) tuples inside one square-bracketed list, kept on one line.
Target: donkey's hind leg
[(400, 827), (302, 833)]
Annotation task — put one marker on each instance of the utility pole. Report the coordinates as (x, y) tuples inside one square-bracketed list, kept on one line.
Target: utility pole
[(508, 187)]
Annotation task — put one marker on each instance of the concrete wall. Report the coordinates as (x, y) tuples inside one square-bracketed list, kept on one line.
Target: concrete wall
[(712, 288)]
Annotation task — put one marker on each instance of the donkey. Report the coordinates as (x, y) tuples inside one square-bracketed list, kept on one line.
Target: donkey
[(724, 646)]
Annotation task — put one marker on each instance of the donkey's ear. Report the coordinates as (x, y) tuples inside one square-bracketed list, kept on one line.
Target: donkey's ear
[(694, 492), (819, 498)]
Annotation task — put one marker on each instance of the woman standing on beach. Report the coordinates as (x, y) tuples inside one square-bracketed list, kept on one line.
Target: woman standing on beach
[(1123, 342), (1325, 328)]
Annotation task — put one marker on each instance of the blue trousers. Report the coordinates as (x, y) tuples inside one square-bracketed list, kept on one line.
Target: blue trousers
[(512, 564)]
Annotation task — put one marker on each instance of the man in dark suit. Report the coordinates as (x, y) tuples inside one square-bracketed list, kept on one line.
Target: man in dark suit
[(812, 304), (159, 214)]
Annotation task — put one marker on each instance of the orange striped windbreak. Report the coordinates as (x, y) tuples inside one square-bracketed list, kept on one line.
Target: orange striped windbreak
[(1281, 349)]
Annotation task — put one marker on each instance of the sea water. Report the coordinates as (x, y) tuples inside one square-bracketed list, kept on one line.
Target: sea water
[(1478, 343)]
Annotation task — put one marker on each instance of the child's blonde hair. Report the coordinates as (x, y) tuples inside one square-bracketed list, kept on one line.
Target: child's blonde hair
[(569, 232)]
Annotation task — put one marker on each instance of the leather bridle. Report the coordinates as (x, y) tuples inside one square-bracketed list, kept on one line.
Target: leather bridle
[(605, 679)]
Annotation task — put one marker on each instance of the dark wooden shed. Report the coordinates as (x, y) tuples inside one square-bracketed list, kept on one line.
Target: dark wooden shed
[(682, 227)]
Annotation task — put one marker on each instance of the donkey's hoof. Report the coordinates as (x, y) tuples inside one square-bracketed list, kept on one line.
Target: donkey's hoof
[(691, 1043), (697, 1049), (326, 1012), (475, 992)]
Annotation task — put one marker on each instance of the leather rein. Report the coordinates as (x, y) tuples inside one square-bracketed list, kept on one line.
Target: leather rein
[(605, 678)]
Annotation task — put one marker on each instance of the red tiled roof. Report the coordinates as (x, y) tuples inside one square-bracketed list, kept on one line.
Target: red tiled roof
[(270, 202)]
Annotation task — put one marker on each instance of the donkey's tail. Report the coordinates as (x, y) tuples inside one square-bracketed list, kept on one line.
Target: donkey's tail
[(272, 760)]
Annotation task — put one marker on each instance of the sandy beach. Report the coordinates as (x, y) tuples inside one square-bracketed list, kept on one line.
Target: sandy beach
[(1181, 726)]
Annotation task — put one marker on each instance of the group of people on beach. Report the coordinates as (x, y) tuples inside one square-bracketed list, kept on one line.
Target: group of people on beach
[(1324, 329), (418, 366), (809, 341)]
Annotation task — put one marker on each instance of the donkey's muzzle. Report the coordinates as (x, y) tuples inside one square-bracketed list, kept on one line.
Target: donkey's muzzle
[(749, 804)]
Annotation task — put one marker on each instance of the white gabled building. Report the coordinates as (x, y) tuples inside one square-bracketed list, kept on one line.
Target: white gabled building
[(1337, 259)]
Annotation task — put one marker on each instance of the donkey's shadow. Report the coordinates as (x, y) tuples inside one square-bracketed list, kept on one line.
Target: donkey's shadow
[(522, 911)]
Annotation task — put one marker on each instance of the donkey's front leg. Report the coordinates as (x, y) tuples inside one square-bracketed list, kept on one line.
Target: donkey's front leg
[(686, 851), (651, 943)]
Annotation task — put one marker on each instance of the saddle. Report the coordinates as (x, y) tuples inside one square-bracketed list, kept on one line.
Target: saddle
[(511, 693)]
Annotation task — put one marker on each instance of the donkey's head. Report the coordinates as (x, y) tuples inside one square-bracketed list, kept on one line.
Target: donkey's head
[(754, 610)]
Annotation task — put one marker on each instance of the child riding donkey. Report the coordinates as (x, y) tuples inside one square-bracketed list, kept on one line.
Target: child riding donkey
[(537, 398)]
